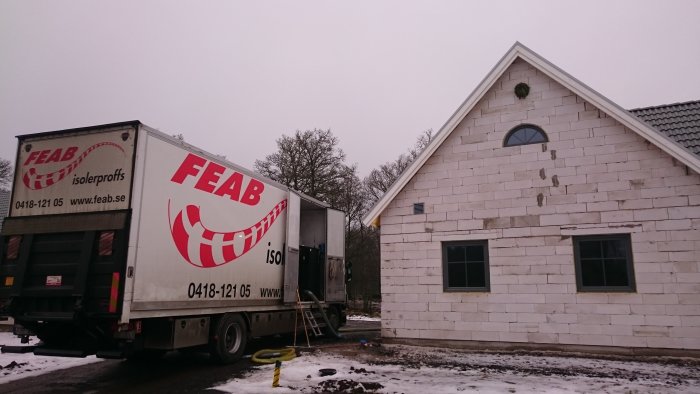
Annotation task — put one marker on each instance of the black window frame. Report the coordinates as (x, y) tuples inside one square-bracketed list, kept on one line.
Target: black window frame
[(631, 286), (523, 127), (445, 277)]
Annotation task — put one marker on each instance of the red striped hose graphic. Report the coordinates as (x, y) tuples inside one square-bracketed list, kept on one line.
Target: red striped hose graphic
[(204, 248), (36, 181)]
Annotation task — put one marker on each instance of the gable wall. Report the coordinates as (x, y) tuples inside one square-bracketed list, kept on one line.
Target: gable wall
[(599, 177)]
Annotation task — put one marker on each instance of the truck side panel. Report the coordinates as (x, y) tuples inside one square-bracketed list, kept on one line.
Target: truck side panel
[(210, 234)]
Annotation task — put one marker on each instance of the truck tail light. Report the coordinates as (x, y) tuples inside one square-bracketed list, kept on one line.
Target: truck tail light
[(13, 247), (114, 293), (106, 243)]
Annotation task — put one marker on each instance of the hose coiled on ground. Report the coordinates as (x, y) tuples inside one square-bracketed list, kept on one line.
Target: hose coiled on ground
[(270, 356)]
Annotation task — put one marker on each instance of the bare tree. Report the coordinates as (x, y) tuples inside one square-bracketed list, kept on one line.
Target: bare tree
[(422, 142), (310, 162), (362, 242), (350, 197), (5, 173), (380, 179)]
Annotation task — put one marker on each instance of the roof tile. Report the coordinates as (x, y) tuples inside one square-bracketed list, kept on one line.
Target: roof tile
[(680, 121)]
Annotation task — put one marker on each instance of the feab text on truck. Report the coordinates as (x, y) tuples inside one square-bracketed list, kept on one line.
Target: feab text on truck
[(124, 241)]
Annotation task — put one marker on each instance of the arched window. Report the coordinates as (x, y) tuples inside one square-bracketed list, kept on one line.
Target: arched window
[(525, 134)]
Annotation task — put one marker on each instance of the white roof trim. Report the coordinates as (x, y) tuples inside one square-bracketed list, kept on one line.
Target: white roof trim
[(579, 88)]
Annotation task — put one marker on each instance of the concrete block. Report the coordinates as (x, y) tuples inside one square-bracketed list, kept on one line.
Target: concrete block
[(602, 206), (485, 336), (572, 218), (692, 212), (513, 337), (652, 214), (470, 224), (628, 341), (681, 224), (614, 186), (603, 178), (524, 327), (644, 203), (651, 331), (595, 340)]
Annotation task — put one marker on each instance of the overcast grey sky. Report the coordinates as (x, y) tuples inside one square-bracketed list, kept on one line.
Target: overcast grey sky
[(232, 77)]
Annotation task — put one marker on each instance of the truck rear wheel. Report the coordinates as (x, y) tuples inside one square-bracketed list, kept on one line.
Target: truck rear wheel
[(229, 340), (334, 318)]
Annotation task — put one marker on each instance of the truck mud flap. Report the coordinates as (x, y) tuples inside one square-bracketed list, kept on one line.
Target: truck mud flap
[(110, 354), (42, 351)]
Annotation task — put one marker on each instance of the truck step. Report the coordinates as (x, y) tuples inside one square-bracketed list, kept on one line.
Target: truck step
[(17, 348), (111, 354), (42, 351)]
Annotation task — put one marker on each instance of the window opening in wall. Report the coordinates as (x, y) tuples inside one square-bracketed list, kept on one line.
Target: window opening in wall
[(465, 266), (604, 263), (525, 134), (418, 208)]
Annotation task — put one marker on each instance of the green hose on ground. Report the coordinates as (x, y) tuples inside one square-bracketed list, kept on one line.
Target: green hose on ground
[(270, 356)]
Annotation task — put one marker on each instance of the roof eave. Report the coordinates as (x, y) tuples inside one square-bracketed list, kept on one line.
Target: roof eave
[(373, 215), (579, 88)]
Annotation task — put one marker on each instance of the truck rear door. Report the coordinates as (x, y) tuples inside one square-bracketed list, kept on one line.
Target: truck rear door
[(335, 256), (63, 246), (291, 263)]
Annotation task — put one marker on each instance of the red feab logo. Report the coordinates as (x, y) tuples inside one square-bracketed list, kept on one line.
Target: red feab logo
[(205, 248), (199, 245), (35, 181)]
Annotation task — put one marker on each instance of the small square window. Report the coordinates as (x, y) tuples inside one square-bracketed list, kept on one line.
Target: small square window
[(418, 208), (465, 266), (604, 263)]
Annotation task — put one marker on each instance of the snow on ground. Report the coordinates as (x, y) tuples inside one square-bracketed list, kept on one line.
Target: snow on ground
[(363, 318), (407, 369), (15, 366)]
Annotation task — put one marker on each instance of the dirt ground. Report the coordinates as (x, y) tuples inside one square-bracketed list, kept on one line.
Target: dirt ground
[(607, 374)]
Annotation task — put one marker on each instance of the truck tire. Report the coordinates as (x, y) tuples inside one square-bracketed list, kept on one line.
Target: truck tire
[(230, 335), (334, 318)]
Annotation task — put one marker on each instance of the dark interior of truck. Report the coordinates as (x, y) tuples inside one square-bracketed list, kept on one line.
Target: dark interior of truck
[(311, 272)]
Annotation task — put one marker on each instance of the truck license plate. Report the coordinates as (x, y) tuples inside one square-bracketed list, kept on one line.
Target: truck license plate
[(53, 280)]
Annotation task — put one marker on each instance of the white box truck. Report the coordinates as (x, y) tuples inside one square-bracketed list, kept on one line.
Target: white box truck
[(123, 241)]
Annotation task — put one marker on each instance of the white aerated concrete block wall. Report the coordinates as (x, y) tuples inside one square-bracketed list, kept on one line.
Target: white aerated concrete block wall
[(599, 177)]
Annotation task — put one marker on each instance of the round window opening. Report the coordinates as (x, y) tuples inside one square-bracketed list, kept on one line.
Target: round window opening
[(525, 135)]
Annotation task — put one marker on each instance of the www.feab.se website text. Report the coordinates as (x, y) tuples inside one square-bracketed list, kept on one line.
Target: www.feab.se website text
[(104, 199)]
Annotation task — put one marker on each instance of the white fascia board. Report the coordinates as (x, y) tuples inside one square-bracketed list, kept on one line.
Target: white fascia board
[(442, 135), (598, 100), (618, 113)]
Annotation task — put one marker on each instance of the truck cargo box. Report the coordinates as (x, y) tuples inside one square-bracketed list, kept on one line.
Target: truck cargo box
[(115, 223)]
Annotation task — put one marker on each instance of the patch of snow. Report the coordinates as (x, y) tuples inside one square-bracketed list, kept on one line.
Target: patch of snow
[(363, 318), (407, 369), (15, 366)]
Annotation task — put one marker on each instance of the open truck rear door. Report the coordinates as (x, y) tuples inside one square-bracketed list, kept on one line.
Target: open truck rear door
[(335, 256)]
